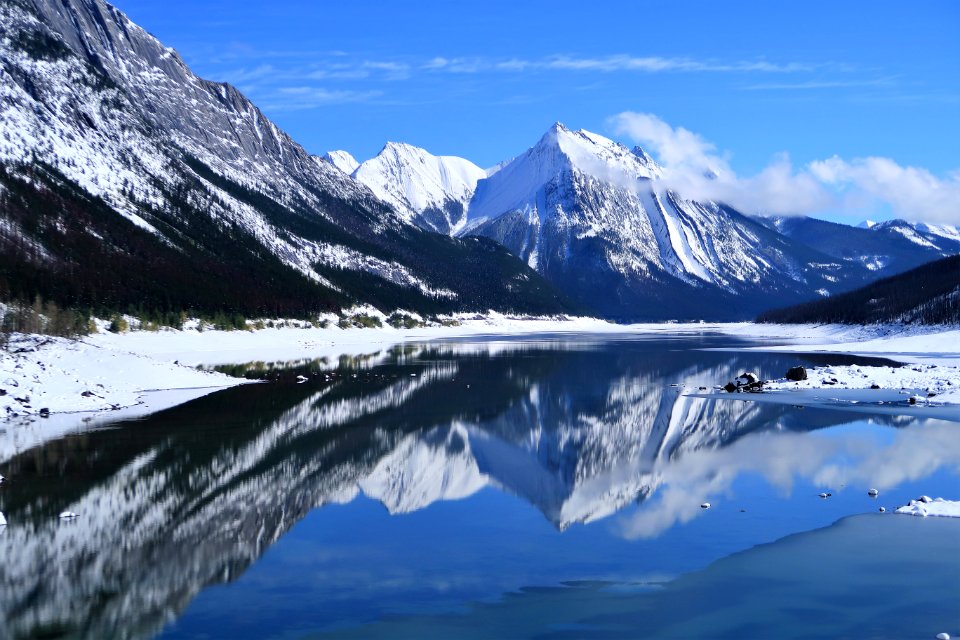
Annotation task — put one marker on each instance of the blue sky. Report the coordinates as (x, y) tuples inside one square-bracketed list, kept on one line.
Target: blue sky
[(484, 81)]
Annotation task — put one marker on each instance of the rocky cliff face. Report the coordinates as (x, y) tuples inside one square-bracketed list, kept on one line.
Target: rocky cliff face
[(98, 118)]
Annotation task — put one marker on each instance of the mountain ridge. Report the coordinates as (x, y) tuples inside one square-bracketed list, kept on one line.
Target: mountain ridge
[(116, 125)]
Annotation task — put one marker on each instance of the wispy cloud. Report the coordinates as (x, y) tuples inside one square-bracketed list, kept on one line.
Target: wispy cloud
[(305, 97), (821, 84), (609, 64), (693, 167)]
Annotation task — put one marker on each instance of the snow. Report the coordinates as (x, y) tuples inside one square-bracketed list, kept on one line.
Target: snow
[(63, 375), (414, 181), (115, 376), (947, 231), (341, 160), (938, 345), (560, 150), (937, 507), (925, 385)]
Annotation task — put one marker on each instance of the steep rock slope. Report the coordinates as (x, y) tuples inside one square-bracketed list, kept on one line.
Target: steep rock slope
[(118, 160), (593, 218)]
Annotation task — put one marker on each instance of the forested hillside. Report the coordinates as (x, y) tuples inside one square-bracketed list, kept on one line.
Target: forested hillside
[(929, 294)]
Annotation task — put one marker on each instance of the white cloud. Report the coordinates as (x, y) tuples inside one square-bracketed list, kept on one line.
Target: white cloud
[(783, 459), (298, 98), (912, 192), (694, 169), (608, 64)]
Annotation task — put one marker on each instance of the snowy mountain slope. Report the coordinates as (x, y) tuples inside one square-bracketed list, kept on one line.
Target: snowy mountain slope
[(950, 232), (429, 191), (341, 160), (99, 118), (884, 248), (591, 216)]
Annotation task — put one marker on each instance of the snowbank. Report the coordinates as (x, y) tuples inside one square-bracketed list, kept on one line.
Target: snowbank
[(914, 344), (928, 384), (924, 506), (41, 376)]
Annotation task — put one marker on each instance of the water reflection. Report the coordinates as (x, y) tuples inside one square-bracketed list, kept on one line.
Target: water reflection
[(192, 496)]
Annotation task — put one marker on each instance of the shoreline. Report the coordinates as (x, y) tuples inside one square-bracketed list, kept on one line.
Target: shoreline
[(105, 373)]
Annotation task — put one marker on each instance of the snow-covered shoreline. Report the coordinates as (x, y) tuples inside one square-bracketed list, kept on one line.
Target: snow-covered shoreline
[(108, 371)]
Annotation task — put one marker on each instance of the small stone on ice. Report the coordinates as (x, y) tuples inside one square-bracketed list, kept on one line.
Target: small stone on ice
[(705, 505), (873, 493), (68, 515)]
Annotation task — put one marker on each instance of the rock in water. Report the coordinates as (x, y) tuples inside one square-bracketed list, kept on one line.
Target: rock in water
[(747, 378), (730, 387), (796, 374), (705, 505), (873, 493), (883, 509), (943, 636)]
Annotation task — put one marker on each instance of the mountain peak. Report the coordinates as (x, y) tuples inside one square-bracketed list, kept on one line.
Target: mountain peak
[(341, 160), (430, 191)]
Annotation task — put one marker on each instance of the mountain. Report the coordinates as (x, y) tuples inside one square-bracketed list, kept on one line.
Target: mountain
[(929, 294), (341, 160), (126, 181), (883, 247), (593, 218), (430, 191)]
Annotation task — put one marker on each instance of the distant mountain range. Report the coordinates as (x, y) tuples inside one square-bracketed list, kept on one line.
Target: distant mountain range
[(127, 182), (593, 217)]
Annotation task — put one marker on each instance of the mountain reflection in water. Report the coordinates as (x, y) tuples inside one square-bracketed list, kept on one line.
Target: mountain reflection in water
[(193, 495)]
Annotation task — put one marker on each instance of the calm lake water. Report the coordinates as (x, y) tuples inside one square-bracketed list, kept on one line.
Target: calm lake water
[(524, 488)]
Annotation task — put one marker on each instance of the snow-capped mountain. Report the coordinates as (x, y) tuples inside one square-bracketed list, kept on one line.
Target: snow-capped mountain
[(427, 190), (593, 218), (341, 160), (155, 185)]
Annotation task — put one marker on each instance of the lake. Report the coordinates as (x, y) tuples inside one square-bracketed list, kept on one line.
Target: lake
[(535, 487)]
